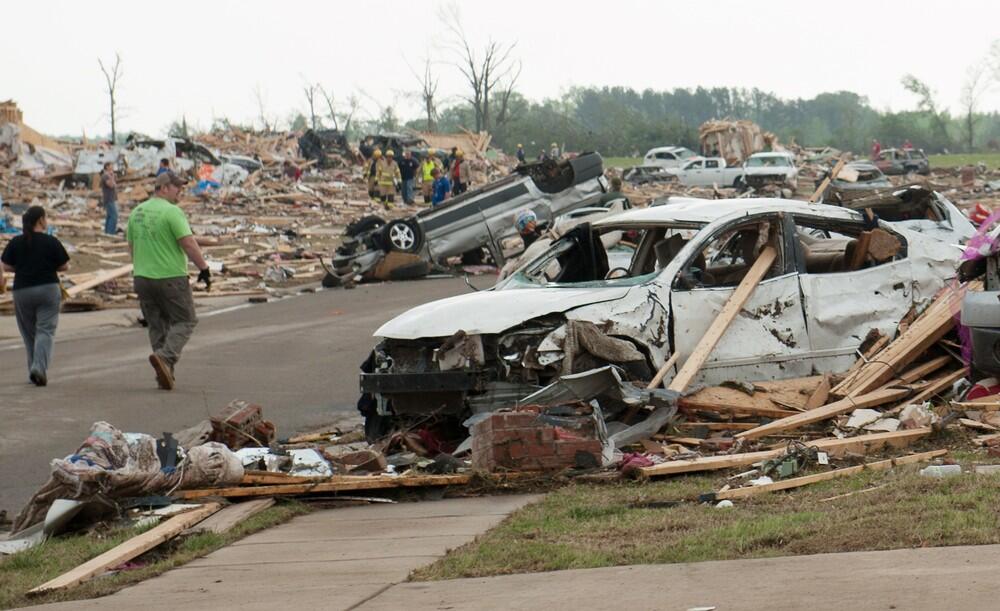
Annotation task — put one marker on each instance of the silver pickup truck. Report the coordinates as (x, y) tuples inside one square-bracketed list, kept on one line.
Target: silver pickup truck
[(758, 170)]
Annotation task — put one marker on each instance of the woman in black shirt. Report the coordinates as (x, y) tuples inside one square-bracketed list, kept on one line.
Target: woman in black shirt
[(35, 257)]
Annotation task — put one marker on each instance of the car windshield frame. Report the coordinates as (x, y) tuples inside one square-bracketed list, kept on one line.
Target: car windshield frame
[(530, 275)]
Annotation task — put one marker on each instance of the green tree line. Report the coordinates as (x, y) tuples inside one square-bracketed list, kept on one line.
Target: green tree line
[(622, 121)]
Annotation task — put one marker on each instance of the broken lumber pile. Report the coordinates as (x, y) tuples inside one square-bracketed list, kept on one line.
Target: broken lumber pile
[(936, 321)]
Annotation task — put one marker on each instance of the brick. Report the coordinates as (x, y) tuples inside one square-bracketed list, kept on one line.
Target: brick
[(523, 450), (570, 448), (512, 420)]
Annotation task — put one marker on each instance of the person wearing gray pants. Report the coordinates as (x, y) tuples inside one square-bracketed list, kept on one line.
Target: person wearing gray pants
[(35, 258), (37, 311)]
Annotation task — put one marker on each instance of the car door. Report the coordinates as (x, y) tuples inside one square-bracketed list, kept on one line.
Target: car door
[(768, 339), (843, 305), (713, 173), (693, 174)]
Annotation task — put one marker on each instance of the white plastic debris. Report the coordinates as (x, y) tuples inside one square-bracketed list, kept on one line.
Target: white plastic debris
[(726, 504), (917, 416), (761, 481), (941, 471)]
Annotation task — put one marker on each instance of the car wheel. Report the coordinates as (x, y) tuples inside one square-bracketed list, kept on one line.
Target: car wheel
[(365, 223), (403, 235)]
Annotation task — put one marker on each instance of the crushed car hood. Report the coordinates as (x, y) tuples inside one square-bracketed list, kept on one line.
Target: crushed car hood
[(491, 311)]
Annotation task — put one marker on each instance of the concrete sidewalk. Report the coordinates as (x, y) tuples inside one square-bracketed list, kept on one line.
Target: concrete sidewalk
[(331, 559), (928, 579)]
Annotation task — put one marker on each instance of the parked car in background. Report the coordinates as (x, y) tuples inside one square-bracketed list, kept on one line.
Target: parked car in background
[(903, 161), (856, 175), (667, 156), (707, 171), (777, 168), (811, 312), (758, 170)]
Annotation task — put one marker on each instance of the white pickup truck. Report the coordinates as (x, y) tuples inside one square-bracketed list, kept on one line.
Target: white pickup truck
[(759, 169)]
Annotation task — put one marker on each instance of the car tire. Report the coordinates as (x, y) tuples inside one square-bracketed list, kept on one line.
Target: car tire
[(365, 223), (402, 235)]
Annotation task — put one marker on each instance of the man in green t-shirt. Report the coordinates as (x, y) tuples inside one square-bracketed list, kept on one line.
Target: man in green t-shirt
[(160, 242)]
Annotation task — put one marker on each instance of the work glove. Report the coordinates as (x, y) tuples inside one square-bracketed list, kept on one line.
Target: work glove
[(205, 276)]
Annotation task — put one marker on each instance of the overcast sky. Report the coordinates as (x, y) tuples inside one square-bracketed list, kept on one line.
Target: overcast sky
[(204, 59)]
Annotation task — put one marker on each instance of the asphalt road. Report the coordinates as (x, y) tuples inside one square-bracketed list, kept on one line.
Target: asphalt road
[(298, 358)]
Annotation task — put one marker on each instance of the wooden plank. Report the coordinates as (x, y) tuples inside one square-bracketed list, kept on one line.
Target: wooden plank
[(343, 483), (859, 445), (818, 193), (805, 480), (848, 404), (718, 327), (257, 478), (658, 378), (928, 328), (918, 372), (718, 426), (819, 396), (939, 385), (129, 549), (734, 407), (860, 252), (99, 278), (232, 515), (975, 424)]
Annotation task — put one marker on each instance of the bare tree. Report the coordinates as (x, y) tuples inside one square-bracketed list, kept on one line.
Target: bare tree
[(973, 89), (111, 78), (491, 70), (926, 103), (428, 91), (311, 91), (328, 98), (267, 124)]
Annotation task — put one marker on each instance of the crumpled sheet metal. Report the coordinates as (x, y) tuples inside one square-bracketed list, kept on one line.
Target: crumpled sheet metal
[(605, 381)]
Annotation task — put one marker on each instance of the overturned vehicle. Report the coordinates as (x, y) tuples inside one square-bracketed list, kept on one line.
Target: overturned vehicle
[(477, 219), (569, 310)]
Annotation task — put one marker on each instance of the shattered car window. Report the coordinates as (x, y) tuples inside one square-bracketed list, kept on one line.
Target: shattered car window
[(727, 258), (830, 248), (585, 257)]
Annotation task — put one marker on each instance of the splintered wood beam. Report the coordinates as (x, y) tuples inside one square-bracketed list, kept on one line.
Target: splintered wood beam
[(129, 549), (848, 404), (729, 311)]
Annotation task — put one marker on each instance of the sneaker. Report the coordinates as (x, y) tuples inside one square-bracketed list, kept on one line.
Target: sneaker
[(38, 378), (164, 376)]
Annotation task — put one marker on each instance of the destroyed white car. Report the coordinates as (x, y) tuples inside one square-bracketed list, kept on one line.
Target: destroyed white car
[(568, 310)]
